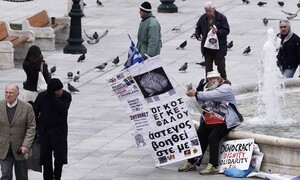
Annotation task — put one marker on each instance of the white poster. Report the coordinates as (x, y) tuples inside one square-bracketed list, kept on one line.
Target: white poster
[(158, 114), (236, 154)]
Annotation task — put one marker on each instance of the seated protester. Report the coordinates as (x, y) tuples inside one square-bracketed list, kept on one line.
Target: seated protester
[(219, 117)]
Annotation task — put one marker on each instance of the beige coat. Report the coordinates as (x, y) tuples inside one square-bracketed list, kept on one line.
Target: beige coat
[(20, 132)]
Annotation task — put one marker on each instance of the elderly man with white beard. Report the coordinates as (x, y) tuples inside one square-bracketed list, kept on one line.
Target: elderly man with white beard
[(220, 115)]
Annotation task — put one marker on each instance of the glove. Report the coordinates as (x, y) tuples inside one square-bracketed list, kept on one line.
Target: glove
[(201, 85)]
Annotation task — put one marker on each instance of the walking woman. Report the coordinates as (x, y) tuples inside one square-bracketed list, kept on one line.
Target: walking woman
[(33, 63)]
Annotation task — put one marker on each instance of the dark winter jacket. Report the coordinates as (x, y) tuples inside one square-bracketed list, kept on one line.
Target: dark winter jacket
[(32, 76), (220, 21), (289, 53), (51, 115)]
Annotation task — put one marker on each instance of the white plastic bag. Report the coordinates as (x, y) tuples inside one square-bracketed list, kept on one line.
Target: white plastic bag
[(41, 84), (257, 158), (29, 95), (212, 41)]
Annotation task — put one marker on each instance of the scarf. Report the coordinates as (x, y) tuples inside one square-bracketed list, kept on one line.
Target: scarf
[(288, 37)]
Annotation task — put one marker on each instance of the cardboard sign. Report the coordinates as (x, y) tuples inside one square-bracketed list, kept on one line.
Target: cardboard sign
[(235, 154)]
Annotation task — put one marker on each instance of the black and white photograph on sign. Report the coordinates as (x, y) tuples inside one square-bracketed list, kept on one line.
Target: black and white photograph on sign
[(154, 82), (139, 141)]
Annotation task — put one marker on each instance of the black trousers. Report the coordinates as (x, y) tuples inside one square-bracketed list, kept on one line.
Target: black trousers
[(210, 135), (49, 174), (59, 152), (210, 58)]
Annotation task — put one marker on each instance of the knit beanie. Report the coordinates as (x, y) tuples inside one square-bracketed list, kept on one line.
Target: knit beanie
[(53, 85), (146, 7)]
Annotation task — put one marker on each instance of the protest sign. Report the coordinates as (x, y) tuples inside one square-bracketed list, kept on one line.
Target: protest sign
[(236, 154), (159, 116)]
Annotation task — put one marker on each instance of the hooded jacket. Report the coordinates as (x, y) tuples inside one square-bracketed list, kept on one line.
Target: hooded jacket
[(289, 52), (219, 99)]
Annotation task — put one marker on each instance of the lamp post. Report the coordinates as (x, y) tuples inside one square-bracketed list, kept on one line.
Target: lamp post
[(75, 40), (167, 6)]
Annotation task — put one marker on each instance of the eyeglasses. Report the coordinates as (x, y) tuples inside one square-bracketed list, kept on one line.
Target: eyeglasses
[(283, 27)]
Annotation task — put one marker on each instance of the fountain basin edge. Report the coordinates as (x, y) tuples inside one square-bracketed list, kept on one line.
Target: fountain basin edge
[(281, 155)]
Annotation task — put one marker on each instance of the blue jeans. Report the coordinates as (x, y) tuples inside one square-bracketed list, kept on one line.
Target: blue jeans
[(7, 168), (289, 73)]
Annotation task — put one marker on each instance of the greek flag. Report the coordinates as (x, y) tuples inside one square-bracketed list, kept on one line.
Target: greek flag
[(133, 56)]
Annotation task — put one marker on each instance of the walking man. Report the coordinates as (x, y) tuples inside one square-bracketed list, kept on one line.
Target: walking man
[(17, 131), (288, 57), (216, 21), (51, 109), (149, 33)]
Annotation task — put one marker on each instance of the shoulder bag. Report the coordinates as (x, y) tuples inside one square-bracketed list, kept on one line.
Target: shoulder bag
[(41, 83)]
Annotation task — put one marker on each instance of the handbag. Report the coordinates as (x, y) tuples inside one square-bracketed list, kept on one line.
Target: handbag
[(29, 95), (34, 159), (212, 41), (41, 83)]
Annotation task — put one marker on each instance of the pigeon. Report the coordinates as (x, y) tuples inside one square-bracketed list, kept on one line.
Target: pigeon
[(182, 45), (183, 67), (265, 21), (247, 50), (70, 75), (280, 3), (81, 58), (287, 13), (101, 66), (72, 88), (52, 69), (230, 45), (84, 4), (116, 60), (260, 3), (201, 63), (93, 40), (246, 1), (298, 4), (95, 35), (291, 15), (99, 3), (76, 77), (177, 28), (189, 86)]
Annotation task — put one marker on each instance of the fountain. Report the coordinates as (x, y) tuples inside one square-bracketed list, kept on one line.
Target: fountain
[(281, 154)]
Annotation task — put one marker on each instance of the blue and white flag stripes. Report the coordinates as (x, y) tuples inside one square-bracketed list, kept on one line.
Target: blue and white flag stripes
[(134, 55)]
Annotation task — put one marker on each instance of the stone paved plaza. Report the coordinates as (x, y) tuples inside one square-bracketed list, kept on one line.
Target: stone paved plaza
[(101, 146)]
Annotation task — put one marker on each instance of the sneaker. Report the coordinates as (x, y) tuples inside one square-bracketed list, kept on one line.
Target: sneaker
[(187, 166), (209, 170)]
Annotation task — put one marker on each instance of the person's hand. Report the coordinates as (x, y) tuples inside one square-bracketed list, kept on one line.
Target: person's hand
[(214, 29), (24, 150), (190, 93)]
